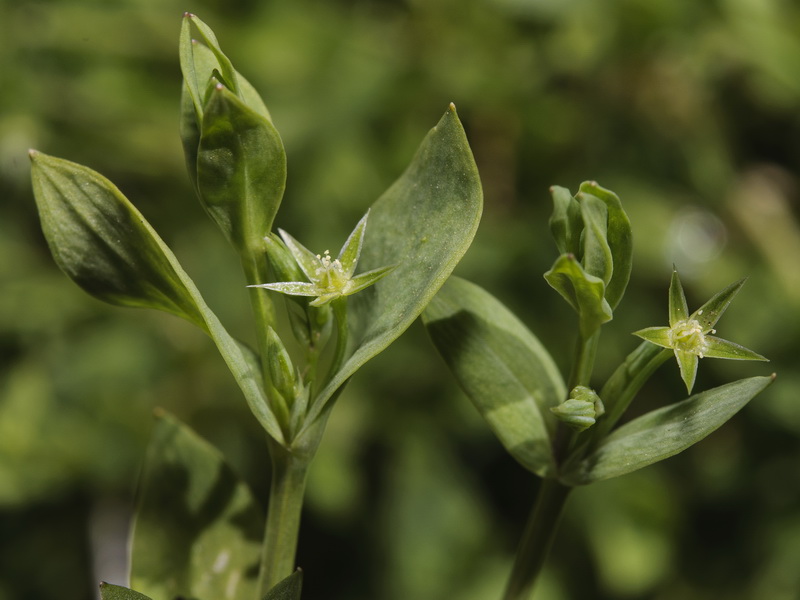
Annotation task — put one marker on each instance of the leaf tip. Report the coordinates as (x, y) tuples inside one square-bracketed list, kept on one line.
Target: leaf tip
[(33, 153), (188, 15), (452, 107), (773, 376)]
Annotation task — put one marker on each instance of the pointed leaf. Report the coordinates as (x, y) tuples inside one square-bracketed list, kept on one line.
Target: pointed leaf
[(687, 362), (501, 366), (117, 592), (583, 291), (719, 348), (198, 529), (306, 259), (655, 335), (424, 224), (351, 251), (678, 309), (293, 288), (665, 432), (619, 238), (708, 314), (288, 589), (360, 282), (241, 170), (106, 246)]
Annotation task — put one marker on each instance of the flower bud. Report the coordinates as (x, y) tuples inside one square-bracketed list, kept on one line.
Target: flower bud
[(580, 410)]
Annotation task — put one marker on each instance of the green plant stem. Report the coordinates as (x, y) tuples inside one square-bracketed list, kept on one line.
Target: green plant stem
[(537, 539), (283, 517), (255, 270), (339, 306), (582, 366)]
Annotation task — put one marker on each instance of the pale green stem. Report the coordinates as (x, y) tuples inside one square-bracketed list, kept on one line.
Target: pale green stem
[(582, 366), (256, 271), (540, 530), (339, 306), (283, 517)]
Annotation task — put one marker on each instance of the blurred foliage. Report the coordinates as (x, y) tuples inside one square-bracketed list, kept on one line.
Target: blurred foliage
[(689, 110)]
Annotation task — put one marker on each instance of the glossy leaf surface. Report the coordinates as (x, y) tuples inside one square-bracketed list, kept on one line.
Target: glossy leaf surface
[(99, 239), (198, 529), (501, 366), (664, 432), (424, 224)]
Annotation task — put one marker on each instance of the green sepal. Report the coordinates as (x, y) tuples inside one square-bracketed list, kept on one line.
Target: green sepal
[(198, 528), (664, 432), (287, 589), (241, 170), (351, 250), (619, 239), (117, 592), (282, 262), (584, 292), (424, 224), (105, 245), (719, 348), (501, 366)]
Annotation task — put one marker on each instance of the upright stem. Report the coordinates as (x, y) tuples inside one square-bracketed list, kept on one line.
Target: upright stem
[(255, 269), (537, 539), (283, 517), (585, 351)]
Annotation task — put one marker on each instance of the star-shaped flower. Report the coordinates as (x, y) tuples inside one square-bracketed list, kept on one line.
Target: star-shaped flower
[(328, 278), (691, 336)]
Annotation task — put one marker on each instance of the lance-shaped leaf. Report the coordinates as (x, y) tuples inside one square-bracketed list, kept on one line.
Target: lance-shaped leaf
[(619, 239), (117, 592), (596, 259), (583, 291), (424, 224), (501, 366), (241, 170), (198, 528), (106, 246), (288, 589), (664, 432)]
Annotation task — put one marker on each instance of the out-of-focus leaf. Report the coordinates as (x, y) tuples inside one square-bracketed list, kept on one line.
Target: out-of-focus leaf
[(241, 170), (288, 589), (198, 529), (584, 292), (424, 224), (619, 239), (501, 366), (108, 248), (117, 592), (566, 223), (664, 432)]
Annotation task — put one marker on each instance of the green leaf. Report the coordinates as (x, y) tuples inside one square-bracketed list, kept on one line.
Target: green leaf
[(288, 589), (664, 432), (596, 258), (566, 223), (241, 170), (197, 529), (424, 224), (99, 239), (501, 366), (117, 592), (619, 239), (584, 292)]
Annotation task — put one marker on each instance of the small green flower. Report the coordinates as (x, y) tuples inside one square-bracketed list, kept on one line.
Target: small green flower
[(691, 336), (328, 278)]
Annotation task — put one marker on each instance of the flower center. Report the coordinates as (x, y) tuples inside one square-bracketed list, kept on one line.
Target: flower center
[(330, 274), (687, 335)]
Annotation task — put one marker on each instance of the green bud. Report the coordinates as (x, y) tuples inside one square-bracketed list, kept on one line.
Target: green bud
[(581, 409)]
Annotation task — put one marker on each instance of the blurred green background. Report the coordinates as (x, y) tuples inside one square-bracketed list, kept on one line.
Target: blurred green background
[(689, 110)]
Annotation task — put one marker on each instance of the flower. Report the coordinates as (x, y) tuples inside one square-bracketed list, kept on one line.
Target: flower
[(691, 336), (328, 278)]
